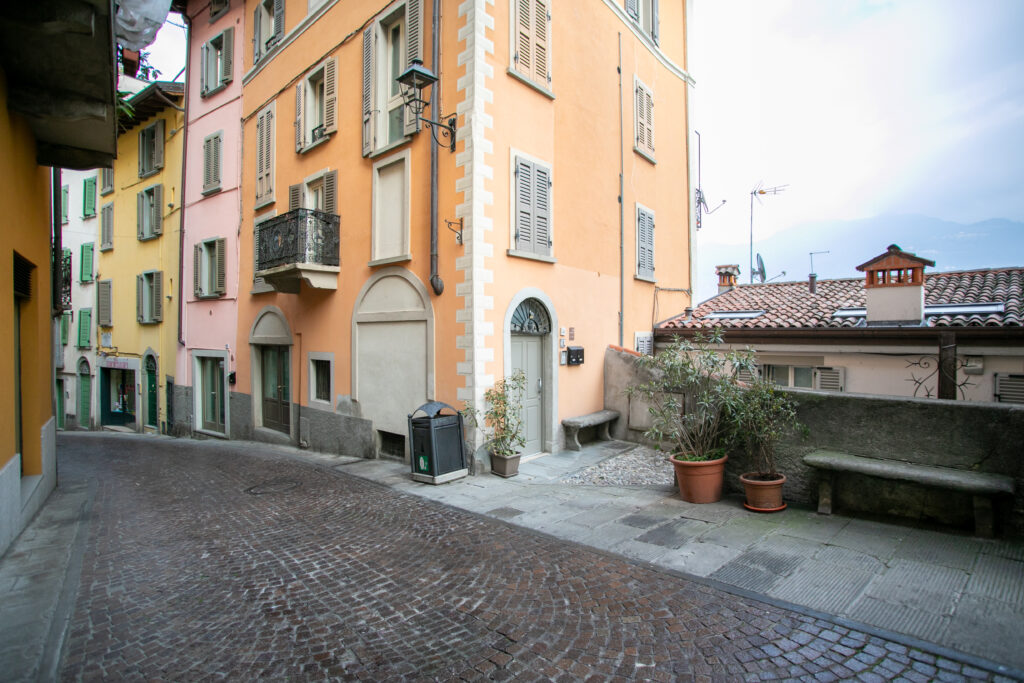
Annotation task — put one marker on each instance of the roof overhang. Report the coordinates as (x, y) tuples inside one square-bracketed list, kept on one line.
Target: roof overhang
[(871, 336), (59, 61), (150, 101)]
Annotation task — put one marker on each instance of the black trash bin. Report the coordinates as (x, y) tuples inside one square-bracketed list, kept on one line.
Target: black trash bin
[(436, 444)]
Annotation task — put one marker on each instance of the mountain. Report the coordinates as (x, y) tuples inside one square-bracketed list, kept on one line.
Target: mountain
[(991, 243)]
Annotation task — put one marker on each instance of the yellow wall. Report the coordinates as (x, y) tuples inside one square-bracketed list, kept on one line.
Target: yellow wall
[(25, 196), (131, 256)]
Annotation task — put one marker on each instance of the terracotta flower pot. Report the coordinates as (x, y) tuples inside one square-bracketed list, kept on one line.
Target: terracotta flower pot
[(763, 496), (505, 465), (700, 481)]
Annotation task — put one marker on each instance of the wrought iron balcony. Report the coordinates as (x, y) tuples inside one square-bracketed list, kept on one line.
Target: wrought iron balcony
[(65, 280), (302, 244)]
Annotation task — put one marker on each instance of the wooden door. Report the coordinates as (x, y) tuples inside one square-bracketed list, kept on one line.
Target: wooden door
[(526, 356)]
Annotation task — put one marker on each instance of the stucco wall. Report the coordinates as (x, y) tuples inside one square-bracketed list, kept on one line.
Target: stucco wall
[(981, 437)]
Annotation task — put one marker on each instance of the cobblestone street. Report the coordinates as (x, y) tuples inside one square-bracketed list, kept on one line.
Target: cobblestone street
[(211, 560)]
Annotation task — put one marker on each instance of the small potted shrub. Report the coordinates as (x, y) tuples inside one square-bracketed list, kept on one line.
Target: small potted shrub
[(502, 423), (760, 419), (691, 396)]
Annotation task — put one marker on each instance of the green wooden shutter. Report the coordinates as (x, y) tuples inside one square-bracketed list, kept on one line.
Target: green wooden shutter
[(140, 214), (85, 264), (220, 258), (65, 327), (64, 197), (158, 210), (84, 399), (227, 55), (158, 144), (84, 328), (157, 291), (139, 298), (368, 39), (524, 204), (89, 197)]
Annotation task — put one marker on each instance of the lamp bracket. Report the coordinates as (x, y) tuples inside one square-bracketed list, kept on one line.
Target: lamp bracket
[(446, 130), (458, 233)]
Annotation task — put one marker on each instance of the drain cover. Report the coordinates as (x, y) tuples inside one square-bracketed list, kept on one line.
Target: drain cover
[(273, 486)]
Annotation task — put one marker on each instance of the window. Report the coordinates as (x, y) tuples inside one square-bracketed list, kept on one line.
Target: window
[(209, 274), (265, 157), (85, 263), (316, 105), (643, 342), (389, 46), (643, 114), (644, 243), (321, 378), (268, 27), (151, 148), (89, 197), (218, 8), (216, 58), (149, 305), (106, 181), (319, 192), (149, 218), (211, 162), (65, 327), (390, 210), (107, 227), (64, 197), (84, 328), (645, 14), (532, 218), (789, 375), (104, 303), (531, 23)]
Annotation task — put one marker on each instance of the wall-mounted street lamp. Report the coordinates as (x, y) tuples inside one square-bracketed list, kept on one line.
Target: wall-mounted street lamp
[(414, 80)]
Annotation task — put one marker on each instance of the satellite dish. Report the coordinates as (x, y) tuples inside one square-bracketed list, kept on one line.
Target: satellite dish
[(760, 272)]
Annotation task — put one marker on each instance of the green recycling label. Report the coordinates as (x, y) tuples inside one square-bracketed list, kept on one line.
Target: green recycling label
[(421, 464)]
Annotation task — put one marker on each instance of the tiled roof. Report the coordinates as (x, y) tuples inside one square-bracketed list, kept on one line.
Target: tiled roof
[(791, 304)]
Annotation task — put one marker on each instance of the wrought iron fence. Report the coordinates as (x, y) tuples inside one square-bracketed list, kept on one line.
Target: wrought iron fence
[(65, 281), (297, 237)]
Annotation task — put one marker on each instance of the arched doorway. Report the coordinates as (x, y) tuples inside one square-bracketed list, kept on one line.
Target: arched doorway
[(392, 354), (149, 378), (84, 395), (270, 342), (530, 331)]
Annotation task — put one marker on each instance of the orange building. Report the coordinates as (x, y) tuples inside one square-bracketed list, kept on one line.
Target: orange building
[(387, 260)]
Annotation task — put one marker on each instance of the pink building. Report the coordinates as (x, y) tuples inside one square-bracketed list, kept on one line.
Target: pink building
[(207, 290)]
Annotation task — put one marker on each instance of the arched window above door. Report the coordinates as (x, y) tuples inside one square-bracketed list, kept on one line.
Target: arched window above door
[(530, 317)]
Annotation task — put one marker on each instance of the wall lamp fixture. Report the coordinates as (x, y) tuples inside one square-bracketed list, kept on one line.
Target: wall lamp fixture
[(414, 80)]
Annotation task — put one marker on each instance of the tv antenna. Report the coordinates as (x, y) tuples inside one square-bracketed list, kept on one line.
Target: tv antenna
[(759, 190), (812, 253), (699, 200)]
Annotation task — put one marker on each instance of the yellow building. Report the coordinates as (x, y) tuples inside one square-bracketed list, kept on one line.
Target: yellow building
[(137, 293), (387, 260), (52, 114)]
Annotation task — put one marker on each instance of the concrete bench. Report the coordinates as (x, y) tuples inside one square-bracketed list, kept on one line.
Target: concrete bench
[(573, 425), (980, 485)]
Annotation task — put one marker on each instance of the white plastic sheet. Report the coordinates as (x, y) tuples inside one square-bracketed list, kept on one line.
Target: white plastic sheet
[(137, 22)]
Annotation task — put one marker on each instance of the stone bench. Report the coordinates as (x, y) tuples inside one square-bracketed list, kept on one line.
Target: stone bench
[(982, 486), (573, 425)]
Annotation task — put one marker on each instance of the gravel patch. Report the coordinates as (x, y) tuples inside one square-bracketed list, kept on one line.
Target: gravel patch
[(641, 466)]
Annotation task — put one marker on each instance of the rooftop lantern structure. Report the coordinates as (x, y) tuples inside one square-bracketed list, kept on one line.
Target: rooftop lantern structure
[(894, 287)]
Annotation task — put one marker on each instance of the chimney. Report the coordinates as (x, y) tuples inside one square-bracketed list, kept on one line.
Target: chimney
[(894, 287), (812, 283), (727, 277)]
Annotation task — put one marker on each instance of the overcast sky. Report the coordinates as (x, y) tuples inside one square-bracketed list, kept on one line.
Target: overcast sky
[(861, 107)]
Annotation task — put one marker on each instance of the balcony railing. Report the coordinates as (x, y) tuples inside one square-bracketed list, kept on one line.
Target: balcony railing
[(302, 244), (65, 281)]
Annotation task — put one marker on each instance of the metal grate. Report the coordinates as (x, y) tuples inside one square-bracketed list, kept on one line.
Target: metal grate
[(22, 277), (1009, 388)]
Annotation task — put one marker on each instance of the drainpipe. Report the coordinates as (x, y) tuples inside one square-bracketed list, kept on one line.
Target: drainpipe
[(184, 194), (436, 283), (57, 252), (622, 218)]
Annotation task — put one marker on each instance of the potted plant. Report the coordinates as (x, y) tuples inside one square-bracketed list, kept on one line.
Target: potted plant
[(502, 423), (690, 397), (760, 419)]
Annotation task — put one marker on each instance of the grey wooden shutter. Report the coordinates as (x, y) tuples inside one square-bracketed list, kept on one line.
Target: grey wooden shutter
[(144, 142), (158, 210), (331, 95), (261, 156), (207, 163), (541, 33), (215, 165), (197, 270), (294, 197), (227, 55), (368, 38), (413, 50), (654, 21), (645, 243), (107, 227), (204, 59), (278, 20), (638, 116), (633, 9), (219, 261), (523, 57), (139, 291), (158, 144), (542, 210), (85, 272), (268, 158), (256, 33), (299, 133), (104, 314), (524, 204), (331, 192), (140, 214), (158, 299), (649, 118)]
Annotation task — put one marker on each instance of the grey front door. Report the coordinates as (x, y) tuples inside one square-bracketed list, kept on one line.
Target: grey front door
[(526, 356)]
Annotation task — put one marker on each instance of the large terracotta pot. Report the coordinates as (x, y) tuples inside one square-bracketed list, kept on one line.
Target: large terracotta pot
[(763, 496), (505, 466), (700, 481)]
